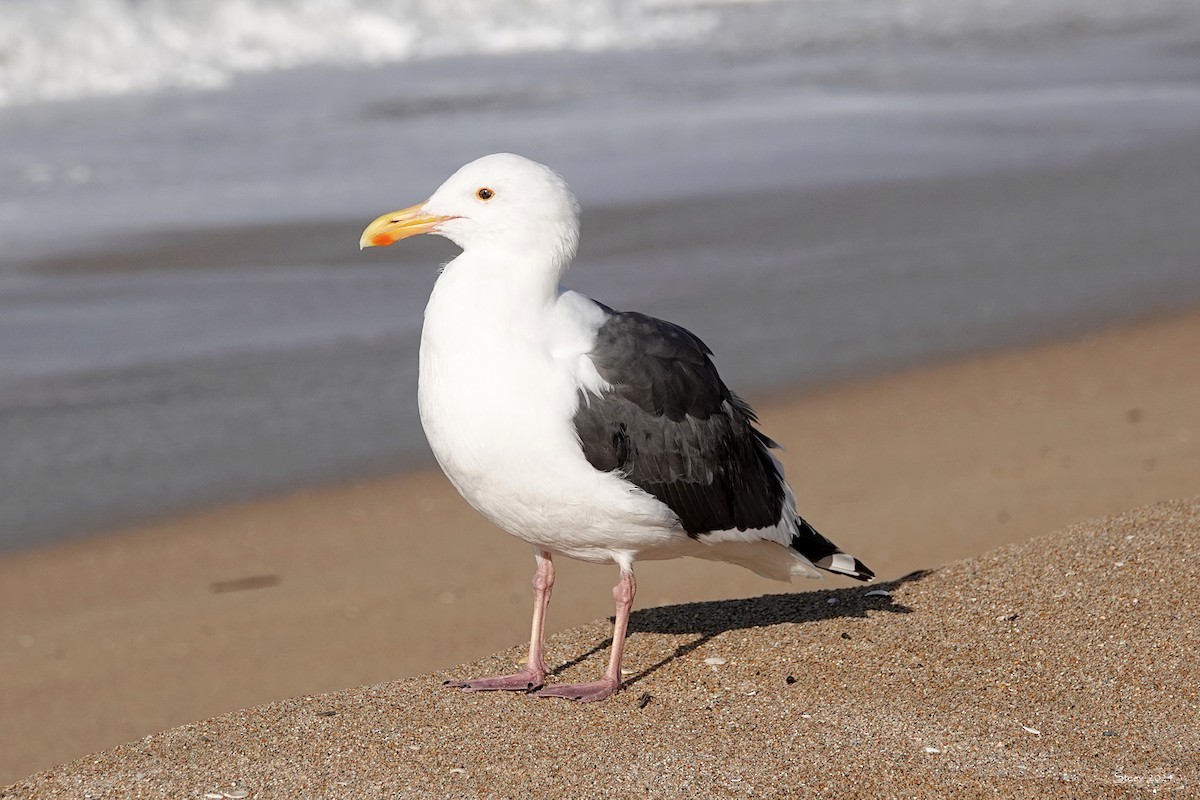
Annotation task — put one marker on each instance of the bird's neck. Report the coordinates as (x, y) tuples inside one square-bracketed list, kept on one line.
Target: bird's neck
[(497, 292)]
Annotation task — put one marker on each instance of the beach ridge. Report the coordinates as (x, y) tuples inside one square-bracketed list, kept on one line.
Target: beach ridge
[(1061, 666)]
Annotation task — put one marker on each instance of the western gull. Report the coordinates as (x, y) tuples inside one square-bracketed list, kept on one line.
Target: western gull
[(595, 434)]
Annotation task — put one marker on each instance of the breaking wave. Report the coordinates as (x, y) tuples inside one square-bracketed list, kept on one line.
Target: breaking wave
[(61, 49)]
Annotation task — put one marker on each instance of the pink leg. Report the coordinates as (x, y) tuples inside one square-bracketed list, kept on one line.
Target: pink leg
[(534, 673), (623, 594)]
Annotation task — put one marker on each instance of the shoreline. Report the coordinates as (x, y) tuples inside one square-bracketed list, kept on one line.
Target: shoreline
[(285, 378), (116, 636)]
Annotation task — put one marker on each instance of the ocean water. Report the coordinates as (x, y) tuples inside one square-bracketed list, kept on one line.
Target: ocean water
[(820, 189), (64, 49)]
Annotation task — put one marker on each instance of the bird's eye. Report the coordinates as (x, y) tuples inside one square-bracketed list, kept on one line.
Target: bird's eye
[(485, 194)]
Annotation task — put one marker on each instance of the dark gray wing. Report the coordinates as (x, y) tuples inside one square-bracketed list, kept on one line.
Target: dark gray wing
[(671, 426)]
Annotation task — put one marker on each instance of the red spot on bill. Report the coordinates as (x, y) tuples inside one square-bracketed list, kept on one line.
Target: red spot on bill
[(382, 239)]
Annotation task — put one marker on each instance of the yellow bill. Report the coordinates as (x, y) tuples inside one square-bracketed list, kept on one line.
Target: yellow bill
[(397, 225)]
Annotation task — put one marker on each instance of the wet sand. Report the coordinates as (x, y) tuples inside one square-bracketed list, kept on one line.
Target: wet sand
[(112, 638)]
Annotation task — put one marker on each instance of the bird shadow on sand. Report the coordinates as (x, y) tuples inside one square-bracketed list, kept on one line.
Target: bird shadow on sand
[(710, 619)]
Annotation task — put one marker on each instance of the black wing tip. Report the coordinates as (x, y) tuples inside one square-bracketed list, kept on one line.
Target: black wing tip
[(823, 553), (862, 572), (841, 563)]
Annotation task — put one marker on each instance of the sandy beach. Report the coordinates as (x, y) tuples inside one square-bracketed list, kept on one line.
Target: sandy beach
[(1062, 667), (947, 250), (115, 637)]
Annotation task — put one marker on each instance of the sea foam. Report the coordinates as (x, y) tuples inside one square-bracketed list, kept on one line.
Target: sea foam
[(62, 49)]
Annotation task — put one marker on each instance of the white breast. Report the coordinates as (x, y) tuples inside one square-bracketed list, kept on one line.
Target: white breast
[(499, 386)]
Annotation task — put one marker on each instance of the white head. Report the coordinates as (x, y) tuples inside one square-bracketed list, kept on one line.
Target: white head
[(502, 202)]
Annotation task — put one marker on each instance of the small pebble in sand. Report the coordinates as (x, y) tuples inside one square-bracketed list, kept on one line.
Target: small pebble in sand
[(458, 771), (932, 750), (878, 593), (237, 794), (1034, 731), (213, 796), (714, 661), (833, 601)]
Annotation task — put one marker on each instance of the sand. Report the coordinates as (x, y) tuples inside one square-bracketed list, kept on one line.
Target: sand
[(112, 638), (1066, 666)]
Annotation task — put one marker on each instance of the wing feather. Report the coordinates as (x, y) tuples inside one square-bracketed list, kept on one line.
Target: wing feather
[(671, 426)]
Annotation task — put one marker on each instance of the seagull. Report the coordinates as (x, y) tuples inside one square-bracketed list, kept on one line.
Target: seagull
[(602, 435)]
